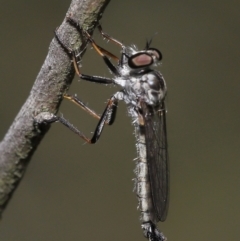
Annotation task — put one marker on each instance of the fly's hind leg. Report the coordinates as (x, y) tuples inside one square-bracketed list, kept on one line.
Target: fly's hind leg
[(109, 113), (107, 117)]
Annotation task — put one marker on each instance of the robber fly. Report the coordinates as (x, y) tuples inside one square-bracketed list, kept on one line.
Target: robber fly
[(143, 89)]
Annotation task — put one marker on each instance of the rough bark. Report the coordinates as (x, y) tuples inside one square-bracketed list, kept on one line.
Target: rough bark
[(52, 82)]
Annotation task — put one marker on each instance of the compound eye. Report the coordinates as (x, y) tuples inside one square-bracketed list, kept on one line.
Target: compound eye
[(140, 60), (155, 53)]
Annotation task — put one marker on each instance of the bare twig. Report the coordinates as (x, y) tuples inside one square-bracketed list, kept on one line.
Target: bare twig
[(52, 82)]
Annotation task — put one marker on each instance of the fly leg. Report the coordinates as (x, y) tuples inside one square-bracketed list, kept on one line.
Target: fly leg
[(107, 36), (108, 117), (109, 113), (78, 102), (74, 56), (152, 233), (102, 52)]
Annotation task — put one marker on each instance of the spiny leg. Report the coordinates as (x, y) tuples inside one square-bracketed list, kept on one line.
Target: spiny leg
[(107, 53), (105, 35), (110, 38), (74, 57), (80, 30), (109, 113), (108, 116), (113, 69), (75, 99), (78, 102), (70, 52)]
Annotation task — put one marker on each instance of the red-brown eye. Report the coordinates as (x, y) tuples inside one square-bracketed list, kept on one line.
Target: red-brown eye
[(140, 60)]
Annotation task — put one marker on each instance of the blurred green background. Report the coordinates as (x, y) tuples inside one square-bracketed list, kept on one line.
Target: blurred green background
[(73, 191)]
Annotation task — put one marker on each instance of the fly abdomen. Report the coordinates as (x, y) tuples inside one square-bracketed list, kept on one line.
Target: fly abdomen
[(148, 215), (143, 188)]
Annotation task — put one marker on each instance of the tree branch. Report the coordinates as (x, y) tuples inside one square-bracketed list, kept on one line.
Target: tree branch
[(52, 82)]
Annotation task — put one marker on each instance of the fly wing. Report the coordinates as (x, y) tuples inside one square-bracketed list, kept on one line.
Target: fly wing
[(157, 157)]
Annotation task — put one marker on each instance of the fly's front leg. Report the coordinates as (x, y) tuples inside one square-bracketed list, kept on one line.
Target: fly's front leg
[(108, 37), (98, 49)]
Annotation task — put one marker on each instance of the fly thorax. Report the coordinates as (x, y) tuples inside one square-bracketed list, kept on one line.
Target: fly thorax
[(132, 90), (154, 88)]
